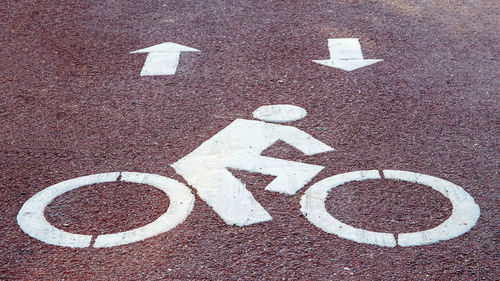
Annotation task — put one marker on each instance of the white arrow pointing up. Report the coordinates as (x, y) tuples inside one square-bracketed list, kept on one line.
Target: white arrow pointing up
[(163, 58), (345, 53)]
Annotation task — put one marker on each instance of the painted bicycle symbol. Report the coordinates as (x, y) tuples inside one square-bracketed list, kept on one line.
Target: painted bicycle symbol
[(239, 146)]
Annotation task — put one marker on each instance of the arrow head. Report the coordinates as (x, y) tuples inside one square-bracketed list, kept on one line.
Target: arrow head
[(167, 47), (348, 65)]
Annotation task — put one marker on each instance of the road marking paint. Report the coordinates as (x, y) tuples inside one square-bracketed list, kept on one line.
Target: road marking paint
[(345, 53), (239, 146), (32, 221), (279, 113), (313, 207), (464, 215), (180, 206), (163, 58)]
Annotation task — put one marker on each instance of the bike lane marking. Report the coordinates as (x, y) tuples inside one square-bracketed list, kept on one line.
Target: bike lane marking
[(163, 58), (427, 104), (239, 146), (32, 221), (279, 113), (464, 215), (346, 54)]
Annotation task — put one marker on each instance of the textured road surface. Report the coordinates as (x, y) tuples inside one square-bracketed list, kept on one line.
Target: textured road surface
[(72, 103)]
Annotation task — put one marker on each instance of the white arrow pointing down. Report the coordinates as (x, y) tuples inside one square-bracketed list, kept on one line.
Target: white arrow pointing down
[(163, 58), (345, 53)]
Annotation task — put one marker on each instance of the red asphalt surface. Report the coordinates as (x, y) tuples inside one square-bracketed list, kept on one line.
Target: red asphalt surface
[(72, 103)]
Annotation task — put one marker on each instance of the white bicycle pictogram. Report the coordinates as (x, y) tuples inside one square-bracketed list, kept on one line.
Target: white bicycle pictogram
[(239, 146)]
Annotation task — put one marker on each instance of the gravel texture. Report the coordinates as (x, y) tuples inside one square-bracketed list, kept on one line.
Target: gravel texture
[(72, 103)]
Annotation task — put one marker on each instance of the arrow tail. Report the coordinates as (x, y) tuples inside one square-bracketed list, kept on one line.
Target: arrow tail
[(160, 64), (345, 48)]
